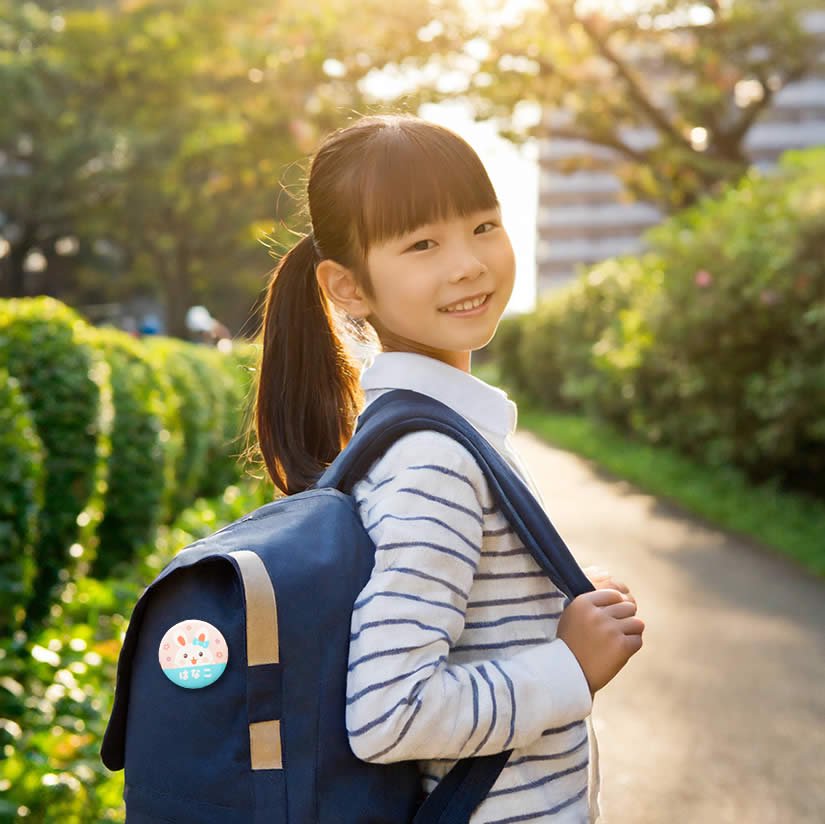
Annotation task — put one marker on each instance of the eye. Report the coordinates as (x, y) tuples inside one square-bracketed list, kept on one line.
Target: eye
[(417, 243), (488, 223)]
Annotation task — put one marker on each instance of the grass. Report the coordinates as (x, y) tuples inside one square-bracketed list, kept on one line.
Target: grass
[(792, 524)]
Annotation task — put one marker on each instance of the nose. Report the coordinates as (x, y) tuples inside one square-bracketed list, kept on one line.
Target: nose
[(469, 268)]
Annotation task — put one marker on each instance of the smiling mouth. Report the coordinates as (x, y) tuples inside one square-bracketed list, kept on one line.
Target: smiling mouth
[(473, 308)]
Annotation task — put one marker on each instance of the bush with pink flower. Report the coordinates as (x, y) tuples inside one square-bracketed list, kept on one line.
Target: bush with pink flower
[(712, 341)]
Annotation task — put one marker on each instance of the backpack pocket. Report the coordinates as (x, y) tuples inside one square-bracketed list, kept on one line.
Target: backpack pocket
[(198, 754)]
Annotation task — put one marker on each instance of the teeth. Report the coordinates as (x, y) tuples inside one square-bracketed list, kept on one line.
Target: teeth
[(467, 304)]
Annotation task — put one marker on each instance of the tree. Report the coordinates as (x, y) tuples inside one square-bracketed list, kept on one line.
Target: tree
[(168, 136), (697, 75), (48, 145)]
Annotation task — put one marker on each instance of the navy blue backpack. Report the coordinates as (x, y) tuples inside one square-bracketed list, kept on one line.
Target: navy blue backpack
[(231, 683)]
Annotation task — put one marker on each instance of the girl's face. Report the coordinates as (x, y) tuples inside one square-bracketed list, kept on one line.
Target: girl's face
[(417, 275)]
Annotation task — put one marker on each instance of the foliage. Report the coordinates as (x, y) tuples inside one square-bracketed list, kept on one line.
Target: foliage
[(711, 343), (194, 120), (56, 689), (108, 472), (138, 464), (190, 395), (21, 499), (224, 386), (504, 349), (45, 346), (80, 387), (739, 325), (633, 79)]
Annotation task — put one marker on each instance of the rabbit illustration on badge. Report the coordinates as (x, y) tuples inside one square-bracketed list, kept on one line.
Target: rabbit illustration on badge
[(193, 654)]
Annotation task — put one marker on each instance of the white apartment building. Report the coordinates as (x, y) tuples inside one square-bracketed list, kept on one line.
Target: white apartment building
[(583, 218)]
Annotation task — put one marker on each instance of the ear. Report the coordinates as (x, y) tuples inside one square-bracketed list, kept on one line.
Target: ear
[(339, 285), (181, 640)]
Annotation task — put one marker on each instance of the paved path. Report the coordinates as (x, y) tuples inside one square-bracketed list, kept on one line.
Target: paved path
[(720, 717)]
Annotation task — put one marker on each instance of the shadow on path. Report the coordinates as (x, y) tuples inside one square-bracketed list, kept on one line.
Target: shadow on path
[(720, 718)]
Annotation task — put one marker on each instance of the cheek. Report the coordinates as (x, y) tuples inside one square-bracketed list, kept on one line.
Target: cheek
[(409, 299), (506, 259), (505, 267)]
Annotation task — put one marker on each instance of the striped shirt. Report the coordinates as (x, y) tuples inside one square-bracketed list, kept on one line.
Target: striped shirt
[(453, 648)]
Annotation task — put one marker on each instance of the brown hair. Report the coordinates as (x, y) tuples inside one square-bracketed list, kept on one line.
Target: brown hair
[(376, 179)]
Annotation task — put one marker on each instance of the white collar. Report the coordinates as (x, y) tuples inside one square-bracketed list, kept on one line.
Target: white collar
[(486, 407)]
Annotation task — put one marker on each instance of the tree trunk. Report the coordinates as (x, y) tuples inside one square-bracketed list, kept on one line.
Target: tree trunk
[(13, 282), (178, 288)]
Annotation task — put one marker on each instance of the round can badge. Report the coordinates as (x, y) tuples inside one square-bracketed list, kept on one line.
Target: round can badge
[(193, 654)]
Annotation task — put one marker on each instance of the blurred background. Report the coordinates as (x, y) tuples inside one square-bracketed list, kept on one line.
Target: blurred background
[(661, 168)]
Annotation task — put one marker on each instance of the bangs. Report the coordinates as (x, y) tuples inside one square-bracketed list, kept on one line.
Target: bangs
[(415, 173)]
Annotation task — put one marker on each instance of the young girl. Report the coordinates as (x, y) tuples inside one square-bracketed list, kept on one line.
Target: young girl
[(460, 645)]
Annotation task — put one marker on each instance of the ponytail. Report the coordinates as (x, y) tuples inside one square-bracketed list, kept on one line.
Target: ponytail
[(308, 393)]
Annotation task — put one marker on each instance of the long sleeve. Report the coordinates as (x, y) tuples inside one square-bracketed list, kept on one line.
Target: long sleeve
[(423, 504)]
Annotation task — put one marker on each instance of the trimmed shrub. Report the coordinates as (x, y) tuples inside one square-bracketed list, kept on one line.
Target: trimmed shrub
[(193, 413), (224, 380), (712, 342), (239, 388), (138, 462), (247, 356), (214, 388), (601, 363), (564, 360), (56, 690), (213, 397), (505, 350), (21, 498), (539, 352), (46, 346), (736, 373)]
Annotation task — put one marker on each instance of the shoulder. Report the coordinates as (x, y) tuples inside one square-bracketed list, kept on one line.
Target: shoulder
[(433, 458)]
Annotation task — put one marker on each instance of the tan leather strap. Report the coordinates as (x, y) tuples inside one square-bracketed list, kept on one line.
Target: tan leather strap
[(261, 648), (261, 611), (265, 745)]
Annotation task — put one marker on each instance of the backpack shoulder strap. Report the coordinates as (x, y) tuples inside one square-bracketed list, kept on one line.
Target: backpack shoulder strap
[(401, 411), (383, 422)]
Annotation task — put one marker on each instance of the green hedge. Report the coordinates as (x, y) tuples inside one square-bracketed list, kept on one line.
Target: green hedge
[(159, 420), (737, 371), (711, 342), (21, 499), (57, 689), (130, 433), (222, 377), (187, 393), (45, 346), (103, 439), (138, 474)]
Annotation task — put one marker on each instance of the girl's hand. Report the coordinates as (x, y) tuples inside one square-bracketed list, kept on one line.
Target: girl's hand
[(602, 631), (601, 579)]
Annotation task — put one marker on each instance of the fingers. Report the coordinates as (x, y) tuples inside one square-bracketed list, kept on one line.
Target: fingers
[(622, 609), (609, 583), (632, 626), (598, 576), (605, 597), (601, 579), (633, 643)]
